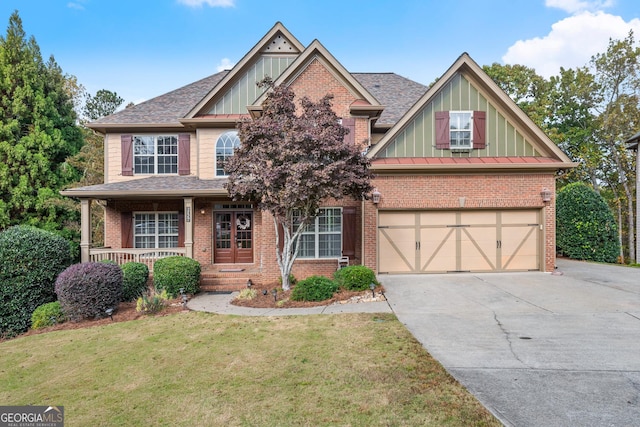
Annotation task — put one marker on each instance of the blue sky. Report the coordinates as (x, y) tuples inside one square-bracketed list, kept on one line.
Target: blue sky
[(141, 49)]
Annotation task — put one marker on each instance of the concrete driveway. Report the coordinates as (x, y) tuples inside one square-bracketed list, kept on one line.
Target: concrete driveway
[(537, 349)]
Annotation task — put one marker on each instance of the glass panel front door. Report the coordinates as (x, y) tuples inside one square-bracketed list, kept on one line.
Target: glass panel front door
[(233, 237)]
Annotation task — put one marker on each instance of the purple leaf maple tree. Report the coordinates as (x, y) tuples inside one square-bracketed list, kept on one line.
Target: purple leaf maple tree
[(290, 160)]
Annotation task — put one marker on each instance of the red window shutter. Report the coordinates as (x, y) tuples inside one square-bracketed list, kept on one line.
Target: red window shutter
[(126, 146), (184, 154), (442, 130), (350, 123), (126, 227), (349, 232), (180, 229), (479, 129)]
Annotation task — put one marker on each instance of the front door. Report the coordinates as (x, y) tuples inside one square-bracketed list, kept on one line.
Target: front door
[(233, 237)]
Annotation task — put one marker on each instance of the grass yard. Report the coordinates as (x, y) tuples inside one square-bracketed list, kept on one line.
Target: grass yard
[(201, 369)]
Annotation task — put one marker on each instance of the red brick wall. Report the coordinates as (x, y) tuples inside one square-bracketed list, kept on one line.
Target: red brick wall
[(489, 191)]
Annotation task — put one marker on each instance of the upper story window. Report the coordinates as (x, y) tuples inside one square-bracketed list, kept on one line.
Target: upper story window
[(156, 154), (460, 130), (227, 142)]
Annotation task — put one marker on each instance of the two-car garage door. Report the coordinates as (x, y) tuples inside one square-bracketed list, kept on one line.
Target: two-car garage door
[(456, 241)]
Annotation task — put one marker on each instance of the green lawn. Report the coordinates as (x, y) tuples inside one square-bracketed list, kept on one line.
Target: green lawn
[(200, 369)]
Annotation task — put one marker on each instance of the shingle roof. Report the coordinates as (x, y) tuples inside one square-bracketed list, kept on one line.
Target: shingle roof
[(176, 186), (167, 108), (396, 93)]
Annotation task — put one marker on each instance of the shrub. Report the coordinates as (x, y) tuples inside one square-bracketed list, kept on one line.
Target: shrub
[(30, 261), (248, 294), (314, 288), (355, 277), (585, 227), (175, 272), (47, 315), (152, 302), (88, 289), (134, 280)]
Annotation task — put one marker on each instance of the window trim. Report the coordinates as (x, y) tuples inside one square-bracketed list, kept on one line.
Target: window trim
[(452, 130), (478, 131), (156, 156), (156, 233), (218, 141), (316, 233)]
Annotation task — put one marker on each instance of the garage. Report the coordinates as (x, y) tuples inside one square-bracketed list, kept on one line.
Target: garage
[(459, 241)]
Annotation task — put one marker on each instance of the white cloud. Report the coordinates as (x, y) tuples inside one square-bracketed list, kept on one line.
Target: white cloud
[(210, 3), (572, 41), (573, 6), (225, 64), (75, 5)]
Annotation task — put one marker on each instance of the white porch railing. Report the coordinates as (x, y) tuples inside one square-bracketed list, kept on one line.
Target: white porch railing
[(146, 256)]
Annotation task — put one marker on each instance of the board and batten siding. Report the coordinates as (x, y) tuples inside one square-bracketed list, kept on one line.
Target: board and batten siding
[(245, 91), (418, 138)]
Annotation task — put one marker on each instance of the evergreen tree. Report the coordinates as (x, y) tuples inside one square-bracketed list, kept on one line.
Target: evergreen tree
[(37, 133)]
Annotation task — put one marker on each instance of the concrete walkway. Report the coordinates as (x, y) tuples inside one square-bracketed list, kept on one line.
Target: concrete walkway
[(221, 303)]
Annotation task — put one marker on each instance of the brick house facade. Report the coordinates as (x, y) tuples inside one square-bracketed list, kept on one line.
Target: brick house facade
[(466, 181)]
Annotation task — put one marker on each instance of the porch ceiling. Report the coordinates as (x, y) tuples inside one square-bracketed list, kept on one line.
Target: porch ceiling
[(152, 187)]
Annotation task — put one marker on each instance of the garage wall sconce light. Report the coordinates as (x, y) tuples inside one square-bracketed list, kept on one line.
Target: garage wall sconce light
[(546, 194), (375, 196)]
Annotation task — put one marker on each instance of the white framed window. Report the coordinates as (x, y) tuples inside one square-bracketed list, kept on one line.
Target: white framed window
[(460, 129), (323, 237), (227, 142), (155, 154), (155, 230)]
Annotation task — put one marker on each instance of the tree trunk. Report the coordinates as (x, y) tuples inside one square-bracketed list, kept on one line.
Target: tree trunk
[(289, 251), (629, 196)]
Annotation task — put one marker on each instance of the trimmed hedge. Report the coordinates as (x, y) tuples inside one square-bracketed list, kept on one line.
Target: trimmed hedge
[(47, 315), (314, 288), (355, 277), (175, 272), (585, 227), (30, 261), (86, 290), (134, 280)]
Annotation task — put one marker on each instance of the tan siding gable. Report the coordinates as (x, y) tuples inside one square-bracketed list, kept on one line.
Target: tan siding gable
[(417, 138), (245, 91)]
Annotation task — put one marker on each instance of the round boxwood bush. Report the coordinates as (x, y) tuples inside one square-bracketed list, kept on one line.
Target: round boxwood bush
[(134, 280), (30, 261), (175, 272), (314, 288), (585, 227), (87, 290), (355, 277), (47, 315)]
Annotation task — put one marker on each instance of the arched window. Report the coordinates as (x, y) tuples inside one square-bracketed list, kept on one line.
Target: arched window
[(227, 142)]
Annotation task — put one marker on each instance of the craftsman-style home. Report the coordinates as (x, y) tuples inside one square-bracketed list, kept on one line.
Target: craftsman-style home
[(465, 181)]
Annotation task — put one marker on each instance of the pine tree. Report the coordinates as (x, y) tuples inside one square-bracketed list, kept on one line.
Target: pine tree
[(37, 133)]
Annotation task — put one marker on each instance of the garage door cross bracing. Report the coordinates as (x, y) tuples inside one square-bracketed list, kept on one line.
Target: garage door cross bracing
[(458, 241)]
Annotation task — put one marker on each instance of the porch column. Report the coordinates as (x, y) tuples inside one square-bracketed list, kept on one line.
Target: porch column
[(188, 226), (85, 229)]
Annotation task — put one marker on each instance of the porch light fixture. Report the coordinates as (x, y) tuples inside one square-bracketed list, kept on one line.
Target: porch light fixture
[(202, 211), (546, 194), (249, 284), (375, 196), (109, 312), (372, 286)]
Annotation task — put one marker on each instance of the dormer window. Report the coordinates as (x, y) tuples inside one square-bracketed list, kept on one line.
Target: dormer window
[(460, 130)]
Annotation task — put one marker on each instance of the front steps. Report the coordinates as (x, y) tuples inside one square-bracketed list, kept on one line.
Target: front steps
[(226, 278)]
